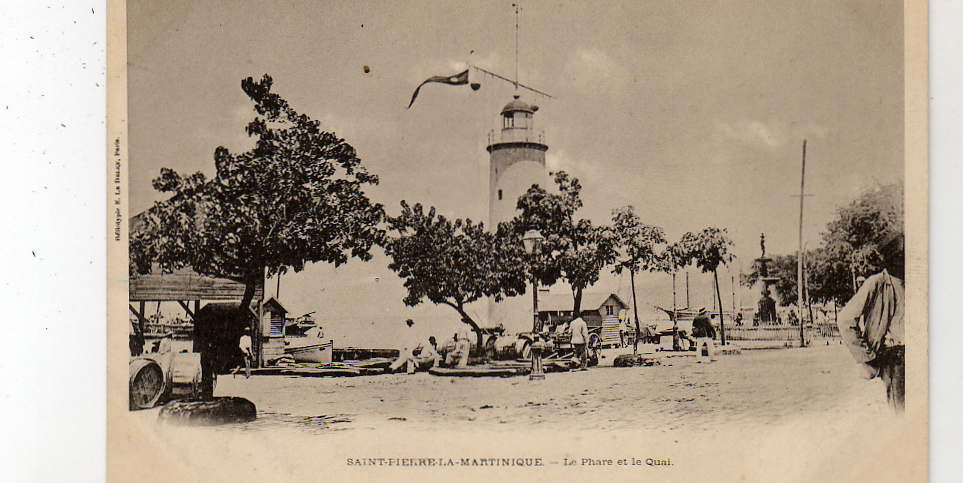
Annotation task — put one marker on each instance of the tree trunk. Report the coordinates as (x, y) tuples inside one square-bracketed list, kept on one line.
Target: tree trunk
[(577, 308), (722, 322), (210, 358), (250, 287), (465, 318), (635, 309)]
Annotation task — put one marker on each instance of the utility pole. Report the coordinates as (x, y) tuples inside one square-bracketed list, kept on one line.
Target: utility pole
[(799, 256), (733, 297)]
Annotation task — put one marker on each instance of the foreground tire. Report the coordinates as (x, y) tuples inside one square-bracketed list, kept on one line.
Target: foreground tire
[(222, 410)]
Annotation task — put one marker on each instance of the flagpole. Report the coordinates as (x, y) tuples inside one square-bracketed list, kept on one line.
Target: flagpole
[(516, 45)]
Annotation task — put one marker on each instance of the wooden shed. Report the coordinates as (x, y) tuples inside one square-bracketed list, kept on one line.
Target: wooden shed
[(602, 312), (272, 329), (189, 289)]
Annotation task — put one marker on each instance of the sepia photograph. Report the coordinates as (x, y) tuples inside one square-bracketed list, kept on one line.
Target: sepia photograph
[(656, 240)]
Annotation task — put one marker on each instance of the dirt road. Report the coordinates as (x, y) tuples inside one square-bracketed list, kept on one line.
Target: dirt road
[(755, 388)]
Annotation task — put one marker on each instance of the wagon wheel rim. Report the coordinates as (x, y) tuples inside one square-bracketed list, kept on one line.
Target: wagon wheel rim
[(526, 352)]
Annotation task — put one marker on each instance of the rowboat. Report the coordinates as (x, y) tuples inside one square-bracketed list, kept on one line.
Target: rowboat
[(320, 352)]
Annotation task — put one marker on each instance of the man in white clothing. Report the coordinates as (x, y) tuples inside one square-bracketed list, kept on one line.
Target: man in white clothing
[(580, 339), (406, 349)]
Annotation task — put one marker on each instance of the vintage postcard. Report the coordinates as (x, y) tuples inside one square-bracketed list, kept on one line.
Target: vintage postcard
[(543, 241)]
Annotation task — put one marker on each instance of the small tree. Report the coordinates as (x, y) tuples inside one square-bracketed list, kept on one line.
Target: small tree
[(638, 243), (453, 262), (574, 250), (707, 249)]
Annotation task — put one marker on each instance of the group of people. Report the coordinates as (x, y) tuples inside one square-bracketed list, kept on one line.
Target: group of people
[(416, 355)]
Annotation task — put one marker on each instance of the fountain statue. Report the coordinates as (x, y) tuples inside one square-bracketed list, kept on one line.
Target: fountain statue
[(766, 308)]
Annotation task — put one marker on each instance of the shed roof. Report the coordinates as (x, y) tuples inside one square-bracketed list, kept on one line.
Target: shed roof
[(272, 303), (590, 301), (182, 284)]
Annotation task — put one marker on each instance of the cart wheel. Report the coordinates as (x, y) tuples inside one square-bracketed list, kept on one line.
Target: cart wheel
[(594, 349), (526, 352)]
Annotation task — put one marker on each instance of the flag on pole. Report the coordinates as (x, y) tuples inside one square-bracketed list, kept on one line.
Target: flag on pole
[(454, 80)]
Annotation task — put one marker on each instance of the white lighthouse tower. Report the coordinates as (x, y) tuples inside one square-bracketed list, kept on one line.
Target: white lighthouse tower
[(517, 162)]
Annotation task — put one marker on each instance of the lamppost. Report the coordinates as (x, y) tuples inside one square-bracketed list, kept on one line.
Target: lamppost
[(532, 240)]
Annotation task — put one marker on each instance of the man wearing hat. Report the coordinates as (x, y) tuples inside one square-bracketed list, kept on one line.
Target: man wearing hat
[(703, 332)]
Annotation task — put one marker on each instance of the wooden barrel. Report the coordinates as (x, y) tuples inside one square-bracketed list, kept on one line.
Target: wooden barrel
[(146, 383), (185, 375)]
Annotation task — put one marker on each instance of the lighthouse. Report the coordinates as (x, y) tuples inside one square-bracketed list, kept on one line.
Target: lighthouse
[(517, 161)]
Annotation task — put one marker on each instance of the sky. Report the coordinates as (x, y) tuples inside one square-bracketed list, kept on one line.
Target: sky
[(693, 112)]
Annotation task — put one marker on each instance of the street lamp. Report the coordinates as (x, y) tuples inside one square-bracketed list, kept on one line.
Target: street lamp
[(532, 240)]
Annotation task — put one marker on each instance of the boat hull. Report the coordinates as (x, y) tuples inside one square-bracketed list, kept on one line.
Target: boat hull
[(312, 353)]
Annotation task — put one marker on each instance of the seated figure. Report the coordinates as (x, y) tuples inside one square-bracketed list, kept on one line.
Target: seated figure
[(458, 357)]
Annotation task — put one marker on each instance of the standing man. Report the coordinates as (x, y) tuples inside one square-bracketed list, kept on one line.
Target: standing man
[(871, 324), (244, 344), (580, 339)]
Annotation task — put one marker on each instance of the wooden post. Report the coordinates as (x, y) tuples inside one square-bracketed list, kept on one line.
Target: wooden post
[(635, 308), (674, 305), (722, 322), (799, 256), (537, 373), (141, 318), (733, 285), (688, 303)]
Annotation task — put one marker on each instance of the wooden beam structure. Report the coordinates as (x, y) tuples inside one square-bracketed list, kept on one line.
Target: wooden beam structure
[(187, 308)]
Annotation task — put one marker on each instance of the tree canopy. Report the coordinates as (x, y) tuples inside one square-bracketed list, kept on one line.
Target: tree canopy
[(296, 197), (864, 237), (574, 250), (453, 262), (638, 242), (707, 249)]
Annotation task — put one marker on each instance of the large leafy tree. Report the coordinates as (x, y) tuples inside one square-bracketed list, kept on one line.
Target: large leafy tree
[(639, 245), (296, 197), (864, 237), (707, 250), (574, 250), (453, 262)]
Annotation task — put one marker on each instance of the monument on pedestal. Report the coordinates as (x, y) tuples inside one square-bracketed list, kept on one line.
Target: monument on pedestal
[(766, 308)]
